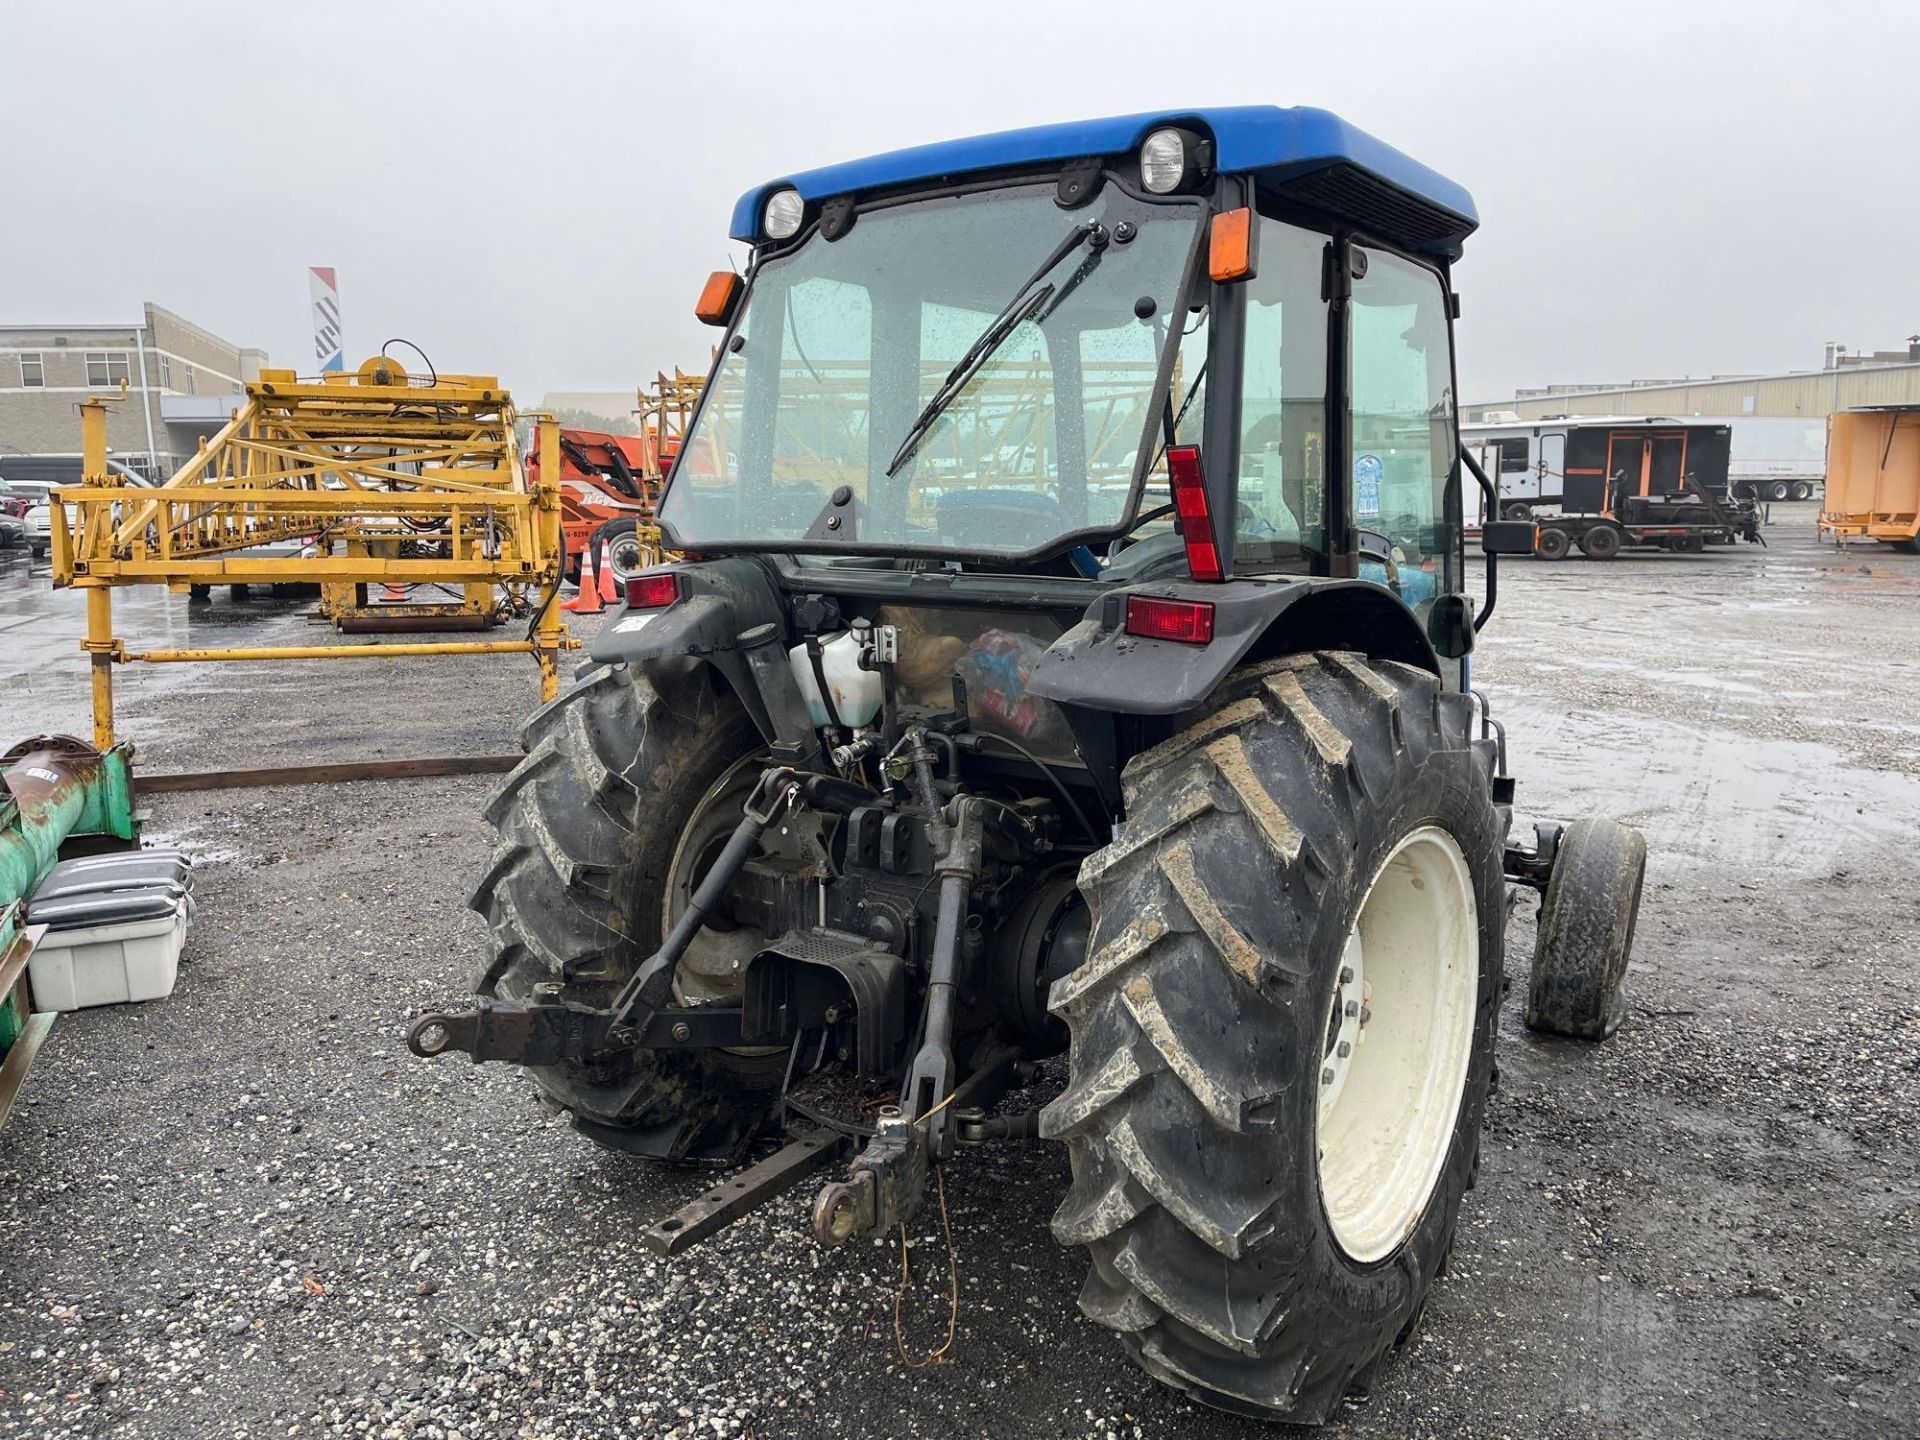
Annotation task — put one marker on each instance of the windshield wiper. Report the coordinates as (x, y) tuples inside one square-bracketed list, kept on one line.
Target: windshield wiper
[(1026, 300)]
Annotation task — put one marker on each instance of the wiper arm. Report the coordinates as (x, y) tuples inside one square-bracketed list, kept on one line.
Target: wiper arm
[(1026, 300)]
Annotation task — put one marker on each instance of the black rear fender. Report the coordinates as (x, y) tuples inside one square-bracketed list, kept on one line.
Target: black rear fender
[(1098, 666), (729, 617)]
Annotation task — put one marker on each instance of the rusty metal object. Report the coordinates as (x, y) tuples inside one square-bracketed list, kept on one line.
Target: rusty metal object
[(54, 786), (884, 1187), (748, 1190), (13, 1070), (21, 1030), (547, 1029), (425, 767)]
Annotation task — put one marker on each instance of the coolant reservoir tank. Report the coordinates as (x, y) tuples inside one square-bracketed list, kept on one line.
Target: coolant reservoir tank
[(855, 692)]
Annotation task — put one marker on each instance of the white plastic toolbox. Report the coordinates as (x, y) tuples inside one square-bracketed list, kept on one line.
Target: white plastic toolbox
[(116, 926)]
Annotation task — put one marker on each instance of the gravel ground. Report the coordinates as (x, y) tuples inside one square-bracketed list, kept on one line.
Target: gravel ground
[(246, 1212)]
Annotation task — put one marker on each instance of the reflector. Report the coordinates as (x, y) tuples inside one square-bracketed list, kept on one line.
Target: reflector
[(653, 592), (1196, 520), (1188, 621)]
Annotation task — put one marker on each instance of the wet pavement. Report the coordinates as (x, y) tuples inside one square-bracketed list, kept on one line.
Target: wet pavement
[(244, 1211)]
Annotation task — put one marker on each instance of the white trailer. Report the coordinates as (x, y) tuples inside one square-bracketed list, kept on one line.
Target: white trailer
[(1777, 457)]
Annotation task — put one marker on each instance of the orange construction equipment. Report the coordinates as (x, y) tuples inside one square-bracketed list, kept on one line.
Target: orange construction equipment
[(607, 478), (603, 477), (1873, 477)]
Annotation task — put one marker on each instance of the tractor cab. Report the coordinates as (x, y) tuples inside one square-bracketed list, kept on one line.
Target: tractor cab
[(1121, 352)]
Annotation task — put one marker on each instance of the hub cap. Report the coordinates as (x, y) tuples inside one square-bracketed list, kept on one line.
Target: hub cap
[(1398, 1039)]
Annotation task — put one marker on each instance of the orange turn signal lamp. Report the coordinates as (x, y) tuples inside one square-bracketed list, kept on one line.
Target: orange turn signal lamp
[(1230, 246), (719, 298)]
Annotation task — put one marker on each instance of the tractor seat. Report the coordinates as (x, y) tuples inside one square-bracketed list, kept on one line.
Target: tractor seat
[(1145, 559), (991, 518)]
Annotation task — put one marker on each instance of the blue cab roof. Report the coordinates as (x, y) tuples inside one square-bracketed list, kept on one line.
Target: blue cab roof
[(1312, 155)]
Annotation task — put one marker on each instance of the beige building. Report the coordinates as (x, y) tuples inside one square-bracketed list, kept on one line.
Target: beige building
[(181, 381), (1881, 377)]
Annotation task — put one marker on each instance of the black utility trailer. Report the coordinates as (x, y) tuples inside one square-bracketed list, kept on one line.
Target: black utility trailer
[(1661, 487)]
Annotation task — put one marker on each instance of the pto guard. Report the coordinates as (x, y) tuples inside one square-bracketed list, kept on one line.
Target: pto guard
[(1098, 665)]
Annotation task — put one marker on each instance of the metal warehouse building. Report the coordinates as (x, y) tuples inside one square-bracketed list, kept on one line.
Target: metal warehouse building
[(1882, 377)]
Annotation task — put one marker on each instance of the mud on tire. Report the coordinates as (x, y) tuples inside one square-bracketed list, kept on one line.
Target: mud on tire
[(587, 824), (1200, 1021)]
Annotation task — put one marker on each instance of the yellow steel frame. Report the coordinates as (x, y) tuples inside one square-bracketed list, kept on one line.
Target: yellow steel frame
[(372, 468)]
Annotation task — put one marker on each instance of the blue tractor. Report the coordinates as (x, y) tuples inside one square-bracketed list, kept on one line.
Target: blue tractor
[(1060, 730)]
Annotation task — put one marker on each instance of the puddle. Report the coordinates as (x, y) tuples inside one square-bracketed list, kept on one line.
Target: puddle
[(1755, 807), (204, 852)]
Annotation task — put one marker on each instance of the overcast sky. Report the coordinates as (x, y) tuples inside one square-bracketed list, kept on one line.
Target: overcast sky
[(538, 190)]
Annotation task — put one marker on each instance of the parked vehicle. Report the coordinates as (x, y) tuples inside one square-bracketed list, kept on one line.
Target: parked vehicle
[(1144, 734), (34, 478), (1873, 477), (1635, 485), (1533, 460), (13, 517)]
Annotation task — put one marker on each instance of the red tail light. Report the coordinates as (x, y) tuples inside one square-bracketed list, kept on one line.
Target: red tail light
[(1189, 621), (653, 592), (1196, 519)]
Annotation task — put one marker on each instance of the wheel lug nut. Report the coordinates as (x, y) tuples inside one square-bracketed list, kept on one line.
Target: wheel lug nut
[(1326, 1076), (1352, 1009), (1366, 1013), (1346, 974), (1343, 1049)]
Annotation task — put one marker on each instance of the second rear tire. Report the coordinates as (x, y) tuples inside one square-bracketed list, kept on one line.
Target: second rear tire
[(1265, 1197), (1602, 542)]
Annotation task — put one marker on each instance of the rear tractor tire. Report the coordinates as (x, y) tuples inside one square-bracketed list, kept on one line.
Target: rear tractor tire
[(1579, 983), (602, 829), (1283, 1037)]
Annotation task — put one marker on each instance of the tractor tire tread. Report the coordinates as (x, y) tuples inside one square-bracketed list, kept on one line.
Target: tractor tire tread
[(612, 770), (1174, 1132)]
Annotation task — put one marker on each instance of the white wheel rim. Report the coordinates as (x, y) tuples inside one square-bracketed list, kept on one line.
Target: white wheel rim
[(626, 556), (1398, 1038)]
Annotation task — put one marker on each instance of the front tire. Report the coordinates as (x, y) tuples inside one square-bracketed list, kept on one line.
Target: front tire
[(1578, 985), (1257, 1243), (590, 828)]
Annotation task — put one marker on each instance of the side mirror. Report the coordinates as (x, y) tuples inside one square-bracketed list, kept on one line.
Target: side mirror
[(1450, 626), (1508, 537)]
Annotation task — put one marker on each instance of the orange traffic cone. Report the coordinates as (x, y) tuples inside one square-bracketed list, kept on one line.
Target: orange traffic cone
[(609, 587), (586, 600), (393, 594)]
